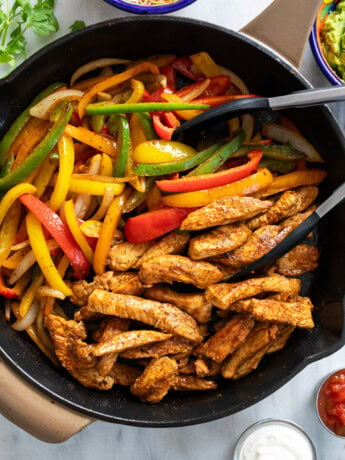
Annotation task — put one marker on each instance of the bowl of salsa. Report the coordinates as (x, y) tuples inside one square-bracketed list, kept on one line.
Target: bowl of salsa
[(330, 403), (150, 6)]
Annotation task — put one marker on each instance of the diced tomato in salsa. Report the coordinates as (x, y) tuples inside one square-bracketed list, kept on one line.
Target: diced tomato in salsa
[(331, 403)]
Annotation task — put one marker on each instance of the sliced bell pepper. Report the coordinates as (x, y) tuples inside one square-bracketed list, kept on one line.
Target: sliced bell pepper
[(97, 123), (206, 181), (8, 231), (94, 185), (150, 225), (97, 141), (60, 232), (138, 91), (44, 176), (281, 166), (43, 258), (170, 119), (163, 131), (137, 133), (10, 197), (78, 235), (147, 169), (161, 151), (247, 186), (184, 65), (108, 109), (123, 147), (137, 197), (170, 74), (190, 92), (205, 64), (187, 112), (146, 125), (154, 199), (106, 165), (5, 291), (30, 294), (284, 152), (217, 100), (218, 86), (294, 179)]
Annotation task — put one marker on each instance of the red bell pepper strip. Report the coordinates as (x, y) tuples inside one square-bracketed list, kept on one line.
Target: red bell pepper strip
[(170, 119), (153, 224), (217, 100), (206, 181), (163, 131), (217, 87), (170, 74), (185, 66), (190, 92), (60, 232), (8, 293)]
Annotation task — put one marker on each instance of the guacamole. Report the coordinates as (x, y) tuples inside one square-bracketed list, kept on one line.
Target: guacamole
[(333, 39)]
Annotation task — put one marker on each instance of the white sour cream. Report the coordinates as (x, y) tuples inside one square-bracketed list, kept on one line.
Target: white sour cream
[(276, 442)]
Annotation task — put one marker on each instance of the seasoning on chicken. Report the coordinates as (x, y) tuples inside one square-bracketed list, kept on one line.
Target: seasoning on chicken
[(227, 339), (294, 221), (284, 332), (173, 346), (225, 294), (163, 316), (297, 312), (167, 269), (195, 304), (173, 243), (301, 259), (288, 204), (154, 383), (192, 383), (123, 374), (217, 241), (124, 256), (224, 211)]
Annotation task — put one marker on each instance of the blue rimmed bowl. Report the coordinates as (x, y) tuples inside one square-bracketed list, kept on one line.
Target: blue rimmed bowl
[(150, 6), (327, 6)]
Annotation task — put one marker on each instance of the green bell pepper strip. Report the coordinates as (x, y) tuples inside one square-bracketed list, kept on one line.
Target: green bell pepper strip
[(108, 109), (60, 118), (160, 169), (19, 123), (97, 123), (219, 157), (281, 166), (146, 125), (284, 152), (123, 147), (136, 198)]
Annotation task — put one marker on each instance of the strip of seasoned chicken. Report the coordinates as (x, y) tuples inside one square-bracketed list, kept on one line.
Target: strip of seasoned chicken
[(288, 204), (257, 245), (122, 283), (297, 312), (194, 304), (127, 340), (192, 383), (259, 338), (74, 354), (173, 346), (294, 221), (284, 332), (301, 259), (173, 243), (226, 210), (156, 380), (224, 294), (227, 339), (170, 268), (250, 364), (163, 316), (222, 239), (123, 374), (124, 256)]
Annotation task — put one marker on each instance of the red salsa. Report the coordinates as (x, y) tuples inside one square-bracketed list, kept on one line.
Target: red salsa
[(331, 403)]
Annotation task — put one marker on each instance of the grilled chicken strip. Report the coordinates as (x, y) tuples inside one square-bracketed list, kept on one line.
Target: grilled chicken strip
[(173, 243), (122, 283), (284, 332), (296, 312), (224, 211), (301, 259), (167, 269), (194, 304), (225, 294), (163, 316), (222, 239), (192, 383), (173, 346), (288, 204), (257, 341), (74, 354), (123, 374), (156, 380), (124, 256), (227, 339), (294, 221)]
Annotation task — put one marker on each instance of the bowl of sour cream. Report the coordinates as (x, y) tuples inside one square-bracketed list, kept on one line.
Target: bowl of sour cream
[(274, 439)]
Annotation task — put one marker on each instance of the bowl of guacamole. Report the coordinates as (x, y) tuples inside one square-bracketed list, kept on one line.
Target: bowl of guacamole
[(327, 40)]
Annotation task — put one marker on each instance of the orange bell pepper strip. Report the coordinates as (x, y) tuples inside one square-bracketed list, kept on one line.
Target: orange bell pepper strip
[(78, 235), (66, 164), (184, 114), (294, 179), (112, 81), (205, 64), (10, 197), (8, 231), (247, 186), (107, 231), (41, 252), (97, 141), (106, 166), (138, 91)]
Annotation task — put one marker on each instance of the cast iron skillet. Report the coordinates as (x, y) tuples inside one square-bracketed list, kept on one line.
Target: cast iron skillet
[(265, 74)]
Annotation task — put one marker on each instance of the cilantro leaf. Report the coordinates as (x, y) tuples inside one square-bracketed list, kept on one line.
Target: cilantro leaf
[(77, 25)]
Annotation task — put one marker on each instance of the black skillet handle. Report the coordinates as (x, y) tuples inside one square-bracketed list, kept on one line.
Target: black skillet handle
[(282, 248), (223, 112)]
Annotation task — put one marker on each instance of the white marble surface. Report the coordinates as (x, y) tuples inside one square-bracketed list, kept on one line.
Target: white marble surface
[(214, 440)]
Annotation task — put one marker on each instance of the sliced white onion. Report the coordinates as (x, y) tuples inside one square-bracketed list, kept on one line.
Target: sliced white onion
[(235, 79), (97, 64), (46, 291), (23, 323), (282, 134), (43, 108), (19, 246)]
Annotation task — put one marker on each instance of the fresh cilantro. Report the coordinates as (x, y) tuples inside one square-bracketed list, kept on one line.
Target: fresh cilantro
[(77, 25)]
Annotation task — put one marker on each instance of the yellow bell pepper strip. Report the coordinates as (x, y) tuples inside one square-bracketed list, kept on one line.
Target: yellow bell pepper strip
[(66, 164), (103, 108), (18, 124), (123, 147), (205, 64), (60, 232), (185, 114), (136, 130), (112, 81), (136, 198), (107, 231), (8, 231), (92, 184), (91, 228), (97, 141), (30, 294), (10, 197), (149, 169), (106, 166), (73, 225), (43, 258), (44, 175), (295, 179), (162, 151), (247, 186), (138, 91)]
